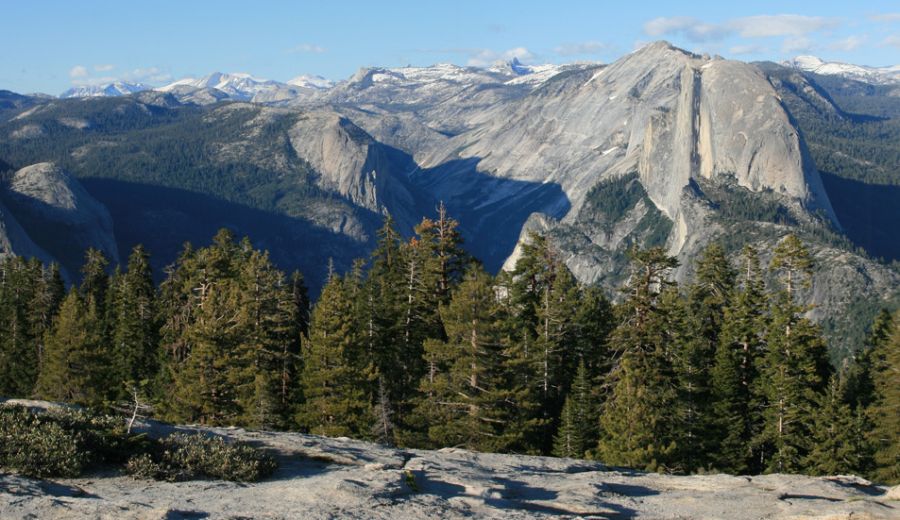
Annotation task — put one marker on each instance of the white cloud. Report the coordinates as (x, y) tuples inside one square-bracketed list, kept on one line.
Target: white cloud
[(780, 25), (307, 48), (78, 71), (748, 49), (692, 28), (792, 26), (850, 43), (885, 17), (796, 45), (147, 75), (580, 49), (485, 57), (80, 75), (891, 41)]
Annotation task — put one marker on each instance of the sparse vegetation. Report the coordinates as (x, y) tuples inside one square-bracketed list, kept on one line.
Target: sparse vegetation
[(187, 457), (66, 443)]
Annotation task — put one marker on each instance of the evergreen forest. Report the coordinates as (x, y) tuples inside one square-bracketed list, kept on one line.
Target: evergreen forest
[(419, 346)]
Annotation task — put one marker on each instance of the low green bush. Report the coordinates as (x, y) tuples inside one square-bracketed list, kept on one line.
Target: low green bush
[(65, 443), (38, 446), (185, 457)]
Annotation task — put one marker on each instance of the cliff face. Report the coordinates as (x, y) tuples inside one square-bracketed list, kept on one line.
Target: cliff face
[(58, 215), (353, 164), (14, 240), (667, 114)]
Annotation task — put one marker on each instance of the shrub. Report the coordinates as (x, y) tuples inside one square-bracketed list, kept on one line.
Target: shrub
[(185, 457), (39, 446), (65, 443)]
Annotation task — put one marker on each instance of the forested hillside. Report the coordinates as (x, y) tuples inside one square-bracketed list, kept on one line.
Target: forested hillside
[(171, 173), (853, 132), (418, 346)]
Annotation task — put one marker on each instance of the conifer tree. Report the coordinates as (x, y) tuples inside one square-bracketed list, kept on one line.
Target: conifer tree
[(794, 369), (336, 371), (636, 429), (135, 329), (199, 300), (859, 385), (594, 320), (267, 323), (18, 358), (381, 308), (544, 302), (696, 324), (735, 370), (839, 446), (576, 428), (94, 279), (447, 260), (692, 356), (46, 299), (464, 403), (885, 407), (204, 388), (72, 362)]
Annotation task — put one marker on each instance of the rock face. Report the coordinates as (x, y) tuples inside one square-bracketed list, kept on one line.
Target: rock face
[(59, 214), (350, 162), (667, 114), (323, 478), (14, 240)]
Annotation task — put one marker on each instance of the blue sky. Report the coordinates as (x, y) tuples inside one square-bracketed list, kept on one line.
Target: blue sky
[(48, 46)]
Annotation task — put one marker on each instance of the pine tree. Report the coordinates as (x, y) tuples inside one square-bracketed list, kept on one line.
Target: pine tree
[(464, 403), (692, 355), (859, 384), (794, 369), (447, 261), (135, 329), (735, 370), (636, 429), (94, 280), (593, 322), (72, 361), (267, 326), (576, 429), (201, 337), (885, 407), (544, 301), (18, 357), (46, 299), (204, 388), (336, 371), (839, 446), (696, 324)]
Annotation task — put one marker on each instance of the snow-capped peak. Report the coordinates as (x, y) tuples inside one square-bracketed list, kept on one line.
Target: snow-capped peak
[(311, 81), (238, 85), (116, 88), (877, 75), (806, 62)]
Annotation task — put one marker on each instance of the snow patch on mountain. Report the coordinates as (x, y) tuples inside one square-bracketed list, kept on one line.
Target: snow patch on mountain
[(876, 75), (117, 88), (311, 81)]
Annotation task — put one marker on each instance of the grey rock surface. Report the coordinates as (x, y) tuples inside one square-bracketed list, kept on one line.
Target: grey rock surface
[(322, 477), (58, 212)]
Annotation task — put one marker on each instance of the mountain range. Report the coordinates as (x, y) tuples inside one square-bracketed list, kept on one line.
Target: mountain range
[(661, 147), (876, 75)]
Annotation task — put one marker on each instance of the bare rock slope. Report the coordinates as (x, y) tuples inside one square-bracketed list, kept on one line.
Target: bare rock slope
[(340, 478), (48, 207)]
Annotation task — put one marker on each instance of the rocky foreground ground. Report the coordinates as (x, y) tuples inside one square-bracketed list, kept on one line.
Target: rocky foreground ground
[(341, 478)]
